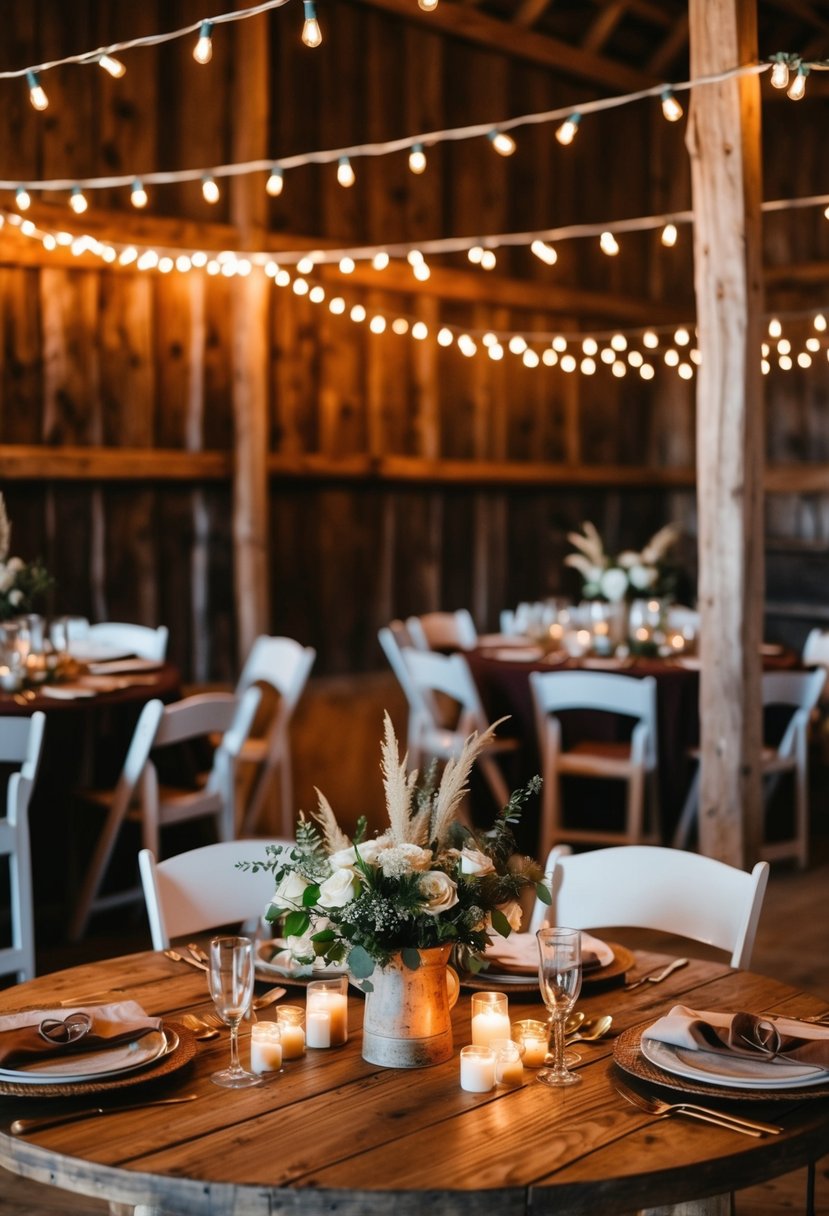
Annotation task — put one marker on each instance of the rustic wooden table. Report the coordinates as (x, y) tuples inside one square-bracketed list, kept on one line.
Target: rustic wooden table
[(333, 1133)]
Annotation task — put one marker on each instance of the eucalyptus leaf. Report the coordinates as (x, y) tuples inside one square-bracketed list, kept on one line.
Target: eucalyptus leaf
[(360, 962), (411, 958)]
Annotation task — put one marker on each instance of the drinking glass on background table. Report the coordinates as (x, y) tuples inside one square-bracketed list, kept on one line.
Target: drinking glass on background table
[(231, 987), (559, 978)]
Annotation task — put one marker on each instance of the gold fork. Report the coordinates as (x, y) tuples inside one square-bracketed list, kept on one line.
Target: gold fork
[(201, 1028), (735, 1123)]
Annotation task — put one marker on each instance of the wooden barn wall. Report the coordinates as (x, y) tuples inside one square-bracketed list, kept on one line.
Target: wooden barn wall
[(99, 356)]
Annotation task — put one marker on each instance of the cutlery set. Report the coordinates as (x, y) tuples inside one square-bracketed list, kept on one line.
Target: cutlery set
[(20, 1126), (656, 977), (734, 1123)]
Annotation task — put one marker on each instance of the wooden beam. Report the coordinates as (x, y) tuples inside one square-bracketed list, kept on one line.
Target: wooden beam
[(603, 25), (529, 11), (724, 144), (41, 462), (467, 23), (670, 47)]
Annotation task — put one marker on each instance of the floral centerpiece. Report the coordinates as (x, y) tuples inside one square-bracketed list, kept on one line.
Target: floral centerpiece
[(627, 575), (21, 584), (428, 880)]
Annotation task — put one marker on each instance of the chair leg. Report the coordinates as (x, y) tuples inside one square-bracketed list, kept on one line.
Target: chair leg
[(635, 806), (690, 810), (95, 872)]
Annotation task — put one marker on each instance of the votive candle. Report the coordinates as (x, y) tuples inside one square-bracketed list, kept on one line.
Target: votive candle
[(508, 1067), (265, 1047), (328, 996), (477, 1069), (290, 1019), (490, 1019), (531, 1036)]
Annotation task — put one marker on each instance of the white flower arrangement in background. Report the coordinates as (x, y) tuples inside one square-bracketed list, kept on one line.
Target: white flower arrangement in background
[(21, 584), (627, 575)]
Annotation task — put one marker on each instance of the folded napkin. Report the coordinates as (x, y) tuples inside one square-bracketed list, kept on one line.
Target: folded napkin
[(519, 952), (743, 1034), (21, 1040)]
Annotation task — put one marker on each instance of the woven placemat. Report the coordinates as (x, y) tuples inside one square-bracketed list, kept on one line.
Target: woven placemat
[(172, 1061), (627, 1053)]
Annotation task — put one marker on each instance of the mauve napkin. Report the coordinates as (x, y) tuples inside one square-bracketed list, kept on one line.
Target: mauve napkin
[(21, 1041), (519, 952), (743, 1034)]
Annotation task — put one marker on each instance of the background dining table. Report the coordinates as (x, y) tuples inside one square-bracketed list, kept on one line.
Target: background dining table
[(334, 1133)]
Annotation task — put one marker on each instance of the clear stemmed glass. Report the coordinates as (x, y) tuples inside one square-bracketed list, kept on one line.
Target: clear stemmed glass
[(231, 987), (559, 978)]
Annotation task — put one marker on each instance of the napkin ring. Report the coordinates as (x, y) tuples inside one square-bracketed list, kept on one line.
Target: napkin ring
[(65, 1030)]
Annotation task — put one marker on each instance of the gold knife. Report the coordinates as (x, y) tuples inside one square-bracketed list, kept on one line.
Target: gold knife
[(21, 1126)]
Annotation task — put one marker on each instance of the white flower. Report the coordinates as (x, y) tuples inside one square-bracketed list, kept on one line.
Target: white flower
[(439, 892), (627, 558), (614, 584), (400, 859), (15, 597), (369, 850), (473, 861), (300, 947), (289, 892), (338, 890), (642, 577), (512, 911)]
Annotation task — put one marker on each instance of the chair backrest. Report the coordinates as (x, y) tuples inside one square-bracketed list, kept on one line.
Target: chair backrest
[(800, 690), (646, 887), (442, 630), (816, 649), (202, 888), (394, 638), (141, 640), (431, 672), (21, 741), (210, 713), (282, 663), (627, 696)]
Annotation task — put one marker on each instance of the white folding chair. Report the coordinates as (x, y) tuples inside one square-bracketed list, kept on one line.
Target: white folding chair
[(21, 740), (431, 676), (284, 665), (634, 762), (442, 630), (816, 649), (139, 640), (202, 889), (800, 691), (646, 887)]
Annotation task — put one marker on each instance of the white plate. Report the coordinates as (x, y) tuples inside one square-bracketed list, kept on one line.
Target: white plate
[(108, 1062), (95, 652), (516, 654), (121, 667), (67, 692), (737, 1072)]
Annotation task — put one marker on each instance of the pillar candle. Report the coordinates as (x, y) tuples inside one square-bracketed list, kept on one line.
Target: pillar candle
[(477, 1069), (329, 996), (265, 1047), (318, 1028), (490, 1019)]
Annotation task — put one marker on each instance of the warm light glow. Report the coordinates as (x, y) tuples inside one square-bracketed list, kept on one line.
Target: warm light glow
[(165, 265), (804, 359), (517, 345), (445, 337), (77, 201), (210, 190), (148, 260), (467, 346), (377, 324), (765, 366), (127, 256), (503, 144), (669, 235), (275, 183), (671, 357), (530, 358), (646, 371), (421, 272), (797, 88), (785, 362), (650, 339), (588, 367), (380, 261), (589, 346), (414, 257), (686, 371), (112, 65), (682, 337), (311, 32), (28, 228), (183, 263), (488, 259), (635, 358), (358, 313), (670, 106), (317, 294), (559, 343), (203, 50), (305, 265), (784, 347), (428, 6), (37, 94), (619, 369), (495, 352), (22, 198), (544, 252), (549, 357), (775, 328), (336, 305), (609, 244), (568, 364), (420, 331), (820, 322), (346, 265), (138, 195), (345, 172), (780, 73), (566, 133), (475, 253), (619, 342), (199, 258), (607, 355), (400, 325), (417, 159), (281, 278)]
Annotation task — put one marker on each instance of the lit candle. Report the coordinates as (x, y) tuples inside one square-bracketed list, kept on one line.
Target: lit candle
[(508, 1067), (10, 680), (265, 1047), (290, 1019), (531, 1037), (318, 1028), (490, 1019), (477, 1069), (328, 996)]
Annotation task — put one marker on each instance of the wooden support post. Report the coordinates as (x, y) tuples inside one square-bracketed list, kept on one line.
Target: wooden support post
[(724, 145)]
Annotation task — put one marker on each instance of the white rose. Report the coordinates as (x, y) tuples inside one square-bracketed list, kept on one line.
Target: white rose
[(642, 577), (300, 947), (438, 891), (473, 861), (369, 850), (338, 890), (614, 584), (289, 892)]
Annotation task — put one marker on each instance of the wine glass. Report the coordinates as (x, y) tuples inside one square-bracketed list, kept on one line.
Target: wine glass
[(559, 978), (231, 987)]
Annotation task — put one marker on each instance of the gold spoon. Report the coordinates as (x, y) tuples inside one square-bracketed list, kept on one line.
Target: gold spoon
[(573, 1021), (591, 1029)]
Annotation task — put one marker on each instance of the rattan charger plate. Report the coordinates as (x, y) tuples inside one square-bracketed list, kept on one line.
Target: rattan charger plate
[(181, 1054), (627, 1053)]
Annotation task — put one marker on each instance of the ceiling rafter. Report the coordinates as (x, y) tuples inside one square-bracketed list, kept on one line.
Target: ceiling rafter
[(669, 48), (529, 12), (603, 25)]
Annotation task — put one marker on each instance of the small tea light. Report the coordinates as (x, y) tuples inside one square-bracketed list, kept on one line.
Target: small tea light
[(326, 997), (490, 1018), (290, 1019), (531, 1037), (265, 1047), (477, 1069), (508, 1067)]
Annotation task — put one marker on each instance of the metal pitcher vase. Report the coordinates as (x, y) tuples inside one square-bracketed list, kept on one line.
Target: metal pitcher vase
[(407, 1022)]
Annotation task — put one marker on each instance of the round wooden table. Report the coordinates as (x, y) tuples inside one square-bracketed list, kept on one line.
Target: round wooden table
[(333, 1133)]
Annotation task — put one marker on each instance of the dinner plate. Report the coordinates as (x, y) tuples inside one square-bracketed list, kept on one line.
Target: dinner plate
[(614, 973), (95, 652), (67, 692), (737, 1072), (112, 1061), (123, 667), (516, 654), (273, 959)]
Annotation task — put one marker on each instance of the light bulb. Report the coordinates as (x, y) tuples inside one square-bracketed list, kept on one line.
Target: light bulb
[(797, 88), (669, 235), (346, 265), (544, 252), (345, 172), (138, 195), (566, 133), (112, 65), (417, 158), (775, 328), (380, 260), (22, 198), (475, 253), (275, 182), (311, 32), (445, 337), (609, 244), (820, 322), (780, 72), (210, 189), (305, 265), (503, 144), (488, 259), (428, 6), (377, 324), (421, 272), (650, 339), (77, 200), (670, 106), (203, 50), (37, 94)]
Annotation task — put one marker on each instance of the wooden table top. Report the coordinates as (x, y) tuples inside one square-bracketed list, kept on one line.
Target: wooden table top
[(333, 1132)]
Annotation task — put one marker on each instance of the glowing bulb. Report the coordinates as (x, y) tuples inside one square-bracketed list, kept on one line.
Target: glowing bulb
[(517, 345), (765, 366), (669, 235), (650, 339), (380, 261), (670, 106), (420, 331), (609, 244), (568, 364), (345, 172), (775, 328), (530, 358), (784, 347), (635, 358), (588, 367), (311, 32), (165, 265), (336, 305), (417, 159), (475, 253), (671, 357), (77, 200), (646, 371), (400, 326), (589, 346), (127, 256), (826, 213), (804, 359), (467, 346), (686, 371), (414, 257), (346, 265), (544, 252), (138, 195), (819, 322), (559, 343), (183, 263), (489, 338), (785, 363), (549, 357), (780, 72), (797, 88), (619, 342), (305, 265), (317, 294), (358, 313), (112, 65), (199, 258), (421, 272), (28, 228), (275, 182), (37, 94), (210, 189), (24, 201), (608, 355), (445, 337), (49, 242), (203, 50), (488, 259), (428, 6), (682, 337), (495, 351), (503, 144), (377, 324), (619, 369), (566, 133)]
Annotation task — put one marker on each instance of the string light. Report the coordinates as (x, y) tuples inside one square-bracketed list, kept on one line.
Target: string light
[(780, 70), (275, 182), (544, 252), (503, 143), (345, 172), (609, 244), (138, 195), (670, 106), (311, 32), (669, 236), (37, 93), (417, 159), (380, 261), (566, 133), (488, 259), (22, 198), (112, 65), (797, 88), (77, 200), (428, 6), (210, 189), (203, 50)]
